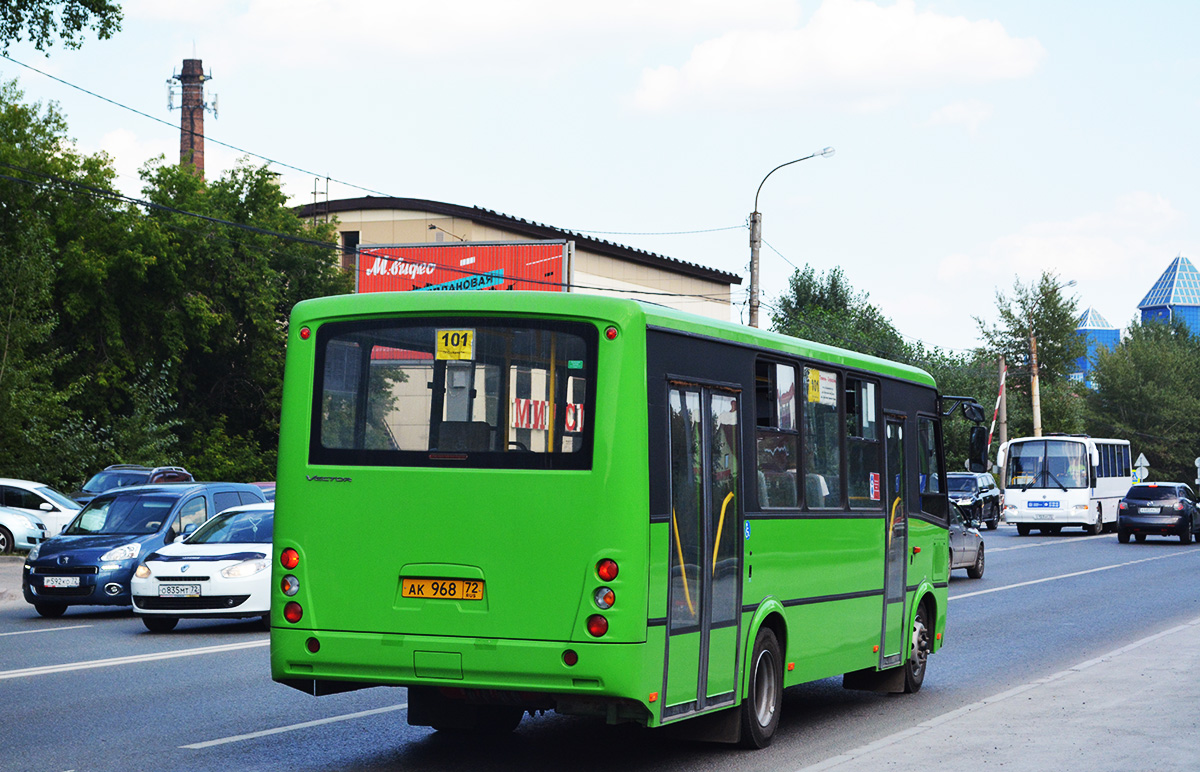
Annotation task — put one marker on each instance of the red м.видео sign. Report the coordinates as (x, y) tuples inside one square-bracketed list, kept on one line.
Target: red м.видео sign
[(507, 266)]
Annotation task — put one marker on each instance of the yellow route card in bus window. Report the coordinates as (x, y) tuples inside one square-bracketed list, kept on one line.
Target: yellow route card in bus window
[(455, 344)]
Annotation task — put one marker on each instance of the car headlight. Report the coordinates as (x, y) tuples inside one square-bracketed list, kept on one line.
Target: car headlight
[(124, 552), (962, 502), (28, 522), (246, 568), (142, 572), (33, 553)]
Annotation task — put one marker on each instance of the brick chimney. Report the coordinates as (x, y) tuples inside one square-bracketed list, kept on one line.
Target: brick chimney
[(191, 124)]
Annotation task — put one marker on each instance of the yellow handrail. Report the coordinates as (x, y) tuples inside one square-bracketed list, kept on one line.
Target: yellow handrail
[(720, 527), (687, 594)]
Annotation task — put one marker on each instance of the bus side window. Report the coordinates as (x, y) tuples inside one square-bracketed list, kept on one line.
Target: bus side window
[(863, 463), (929, 467), (822, 440), (776, 433)]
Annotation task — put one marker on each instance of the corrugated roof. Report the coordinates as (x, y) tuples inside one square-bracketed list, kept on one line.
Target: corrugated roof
[(524, 228), (1092, 320), (1179, 285)]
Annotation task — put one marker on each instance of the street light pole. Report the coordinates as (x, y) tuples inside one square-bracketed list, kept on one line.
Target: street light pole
[(1034, 388), (756, 233)]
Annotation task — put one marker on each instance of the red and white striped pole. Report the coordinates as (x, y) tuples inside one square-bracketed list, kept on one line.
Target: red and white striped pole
[(996, 412)]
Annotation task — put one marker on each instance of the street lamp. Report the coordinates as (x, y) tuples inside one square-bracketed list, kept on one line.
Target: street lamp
[(756, 233), (1033, 369)]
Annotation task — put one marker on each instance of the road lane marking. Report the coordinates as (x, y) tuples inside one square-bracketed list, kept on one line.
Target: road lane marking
[(1056, 543), (132, 660), (45, 630), (294, 727), (1074, 573), (937, 721)]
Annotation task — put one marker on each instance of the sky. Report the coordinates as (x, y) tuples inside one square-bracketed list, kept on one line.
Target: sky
[(977, 143)]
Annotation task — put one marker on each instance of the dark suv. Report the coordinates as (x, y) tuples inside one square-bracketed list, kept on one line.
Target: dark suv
[(1160, 509), (977, 493), (93, 560), (122, 475)]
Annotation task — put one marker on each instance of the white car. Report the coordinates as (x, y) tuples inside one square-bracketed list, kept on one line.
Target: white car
[(222, 570), (33, 498)]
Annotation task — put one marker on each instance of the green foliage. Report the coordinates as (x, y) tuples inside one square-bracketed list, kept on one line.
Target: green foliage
[(142, 336), (824, 308), (41, 21), (1145, 392)]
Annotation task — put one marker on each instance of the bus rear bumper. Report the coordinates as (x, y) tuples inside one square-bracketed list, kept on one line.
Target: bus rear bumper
[(607, 679)]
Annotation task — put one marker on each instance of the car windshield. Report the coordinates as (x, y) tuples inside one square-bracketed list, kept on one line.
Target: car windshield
[(122, 514), (963, 485), (236, 526), (1151, 493), (105, 481), (58, 498)]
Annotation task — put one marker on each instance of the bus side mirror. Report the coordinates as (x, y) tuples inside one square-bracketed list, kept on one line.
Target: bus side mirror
[(978, 447), (973, 412)]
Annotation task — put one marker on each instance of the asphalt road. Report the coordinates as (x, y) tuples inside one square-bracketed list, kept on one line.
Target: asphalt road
[(95, 691)]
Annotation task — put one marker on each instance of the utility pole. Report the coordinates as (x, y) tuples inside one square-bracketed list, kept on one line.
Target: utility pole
[(1033, 384), (755, 243), (1003, 404)]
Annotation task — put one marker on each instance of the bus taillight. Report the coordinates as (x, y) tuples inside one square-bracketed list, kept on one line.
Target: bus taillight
[(607, 569), (292, 612), (596, 625), (604, 598), (289, 585), (289, 558)]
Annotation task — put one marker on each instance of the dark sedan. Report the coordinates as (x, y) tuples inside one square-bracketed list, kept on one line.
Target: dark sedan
[(978, 494), (1158, 509)]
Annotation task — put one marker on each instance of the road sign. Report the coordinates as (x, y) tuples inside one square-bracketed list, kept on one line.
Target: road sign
[(1141, 460)]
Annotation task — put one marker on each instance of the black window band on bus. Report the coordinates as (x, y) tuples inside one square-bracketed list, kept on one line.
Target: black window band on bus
[(497, 393)]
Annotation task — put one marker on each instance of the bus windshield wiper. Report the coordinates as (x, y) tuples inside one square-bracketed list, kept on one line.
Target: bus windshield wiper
[(1048, 473)]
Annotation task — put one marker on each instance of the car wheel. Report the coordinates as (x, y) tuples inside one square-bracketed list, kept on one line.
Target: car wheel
[(1141, 537), (1122, 536), (6, 541), (1022, 529), (914, 669), (50, 610), (1185, 536), (265, 621), (764, 698), (976, 571), (160, 624), (994, 523)]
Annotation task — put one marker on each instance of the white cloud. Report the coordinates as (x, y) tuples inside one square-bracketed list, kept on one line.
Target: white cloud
[(851, 51), (1098, 245), (968, 113)]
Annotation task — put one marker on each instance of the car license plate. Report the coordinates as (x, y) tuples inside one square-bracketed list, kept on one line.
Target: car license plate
[(1149, 510), (447, 589), (60, 581), (179, 591)]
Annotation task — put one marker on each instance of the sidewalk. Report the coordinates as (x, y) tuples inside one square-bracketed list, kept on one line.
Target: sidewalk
[(1130, 710)]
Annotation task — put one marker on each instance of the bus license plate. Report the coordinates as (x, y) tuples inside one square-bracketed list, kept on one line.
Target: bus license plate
[(60, 581), (179, 591), (446, 589)]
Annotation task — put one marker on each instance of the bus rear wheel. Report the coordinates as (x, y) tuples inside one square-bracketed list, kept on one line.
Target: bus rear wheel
[(760, 710)]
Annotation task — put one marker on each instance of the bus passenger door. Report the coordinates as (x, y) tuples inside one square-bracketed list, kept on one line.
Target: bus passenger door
[(896, 547), (704, 597)]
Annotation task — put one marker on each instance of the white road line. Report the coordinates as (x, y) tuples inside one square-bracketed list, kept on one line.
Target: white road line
[(47, 669), (1059, 542), (892, 739), (294, 727), (45, 630), (1074, 573)]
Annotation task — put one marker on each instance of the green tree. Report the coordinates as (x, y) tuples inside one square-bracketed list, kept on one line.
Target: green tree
[(1145, 392), (824, 308), (1038, 309), (41, 21)]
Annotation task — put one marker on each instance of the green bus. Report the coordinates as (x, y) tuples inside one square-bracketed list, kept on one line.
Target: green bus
[(522, 501)]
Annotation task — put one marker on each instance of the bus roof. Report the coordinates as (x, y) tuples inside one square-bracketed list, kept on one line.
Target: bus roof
[(618, 310)]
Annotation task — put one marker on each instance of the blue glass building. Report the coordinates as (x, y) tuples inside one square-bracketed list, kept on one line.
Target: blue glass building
[(1096, 330), (1176, 295)]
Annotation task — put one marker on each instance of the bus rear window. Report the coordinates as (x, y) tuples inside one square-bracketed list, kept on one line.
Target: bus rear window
[(454, 392)]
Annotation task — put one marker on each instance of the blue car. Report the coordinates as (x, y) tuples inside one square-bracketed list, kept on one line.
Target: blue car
[(93, 560)]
